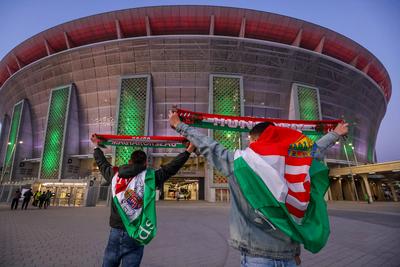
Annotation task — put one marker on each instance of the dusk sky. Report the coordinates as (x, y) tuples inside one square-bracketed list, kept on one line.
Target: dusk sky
[(374, 24)]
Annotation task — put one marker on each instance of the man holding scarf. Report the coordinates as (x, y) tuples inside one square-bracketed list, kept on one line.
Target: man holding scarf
[(133, 218), (264, 224)]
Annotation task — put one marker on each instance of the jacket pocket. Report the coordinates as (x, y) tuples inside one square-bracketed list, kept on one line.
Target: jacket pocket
[(262, 222)]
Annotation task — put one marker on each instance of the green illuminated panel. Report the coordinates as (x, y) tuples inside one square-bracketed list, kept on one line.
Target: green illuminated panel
[(226, 101), (370, 152), (12, 137), (52, 149), (308, 105), (131, 114)]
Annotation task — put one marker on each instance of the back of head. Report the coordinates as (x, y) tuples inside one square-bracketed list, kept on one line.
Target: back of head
[(138, 157), (259, 128)]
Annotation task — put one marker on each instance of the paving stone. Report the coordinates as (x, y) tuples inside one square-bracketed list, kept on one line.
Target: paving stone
[(189, 234)]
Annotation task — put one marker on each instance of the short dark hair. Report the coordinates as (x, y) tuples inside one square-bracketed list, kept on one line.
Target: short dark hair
[(138, 157), (259, 128)]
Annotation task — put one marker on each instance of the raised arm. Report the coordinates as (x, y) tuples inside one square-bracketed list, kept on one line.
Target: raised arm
[(105, 167), (215, 153), (171, 168), (329, 140)]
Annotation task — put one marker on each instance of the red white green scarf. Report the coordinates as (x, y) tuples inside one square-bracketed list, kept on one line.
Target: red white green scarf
[(245, 124), (142, 141)]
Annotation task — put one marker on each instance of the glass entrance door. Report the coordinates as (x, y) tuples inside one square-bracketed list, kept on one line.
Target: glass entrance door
[(77, 195), (183, 189), (64, 196)]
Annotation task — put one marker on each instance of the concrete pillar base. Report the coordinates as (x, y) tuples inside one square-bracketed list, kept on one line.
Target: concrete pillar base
[(367, 187)]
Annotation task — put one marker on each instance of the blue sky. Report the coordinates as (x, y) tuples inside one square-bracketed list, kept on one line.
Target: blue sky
[(374, 24)]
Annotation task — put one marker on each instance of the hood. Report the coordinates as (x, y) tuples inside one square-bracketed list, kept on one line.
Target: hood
[(130, 170)]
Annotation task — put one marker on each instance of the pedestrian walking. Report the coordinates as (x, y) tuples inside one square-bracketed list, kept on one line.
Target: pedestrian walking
[(15, 200), (42, 199), (36, 197), (27, 197), (47, 200)]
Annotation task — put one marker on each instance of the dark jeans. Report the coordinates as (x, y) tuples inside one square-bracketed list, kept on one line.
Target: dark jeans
[(249, 261), (46, 203), (14, 203), (25, 203), (121, 247)]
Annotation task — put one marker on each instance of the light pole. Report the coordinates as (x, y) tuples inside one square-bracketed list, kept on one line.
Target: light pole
[(351, 173), (354, 153)]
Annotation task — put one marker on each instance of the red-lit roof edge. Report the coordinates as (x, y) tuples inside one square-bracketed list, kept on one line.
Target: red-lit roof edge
[(194, 19)]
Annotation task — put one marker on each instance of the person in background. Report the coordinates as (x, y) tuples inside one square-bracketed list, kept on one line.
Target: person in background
[(27, 197), (15, 200), (36, 197), (47, 200), (42, 199)]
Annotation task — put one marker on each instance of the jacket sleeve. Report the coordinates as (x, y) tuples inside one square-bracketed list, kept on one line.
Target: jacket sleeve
[(170, 169), (216, 154), (324, 143), (105, 167)]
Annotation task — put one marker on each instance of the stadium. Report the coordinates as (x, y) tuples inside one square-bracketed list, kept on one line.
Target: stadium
[(120, 72)]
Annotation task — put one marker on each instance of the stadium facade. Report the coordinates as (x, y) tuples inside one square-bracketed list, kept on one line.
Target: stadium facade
[(120, 72)]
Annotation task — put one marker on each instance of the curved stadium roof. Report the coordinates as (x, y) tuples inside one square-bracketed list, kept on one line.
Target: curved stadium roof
[(201, 20)]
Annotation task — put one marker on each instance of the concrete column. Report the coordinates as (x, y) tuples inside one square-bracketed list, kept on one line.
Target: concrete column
[(359, 188), (340, 190), (381, 195), (348, 191), (363, 189), (368, 189), (375, 191), (328, 194), (393, 191)]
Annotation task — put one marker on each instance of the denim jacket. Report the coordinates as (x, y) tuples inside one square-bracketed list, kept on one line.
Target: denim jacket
[(249, 233)]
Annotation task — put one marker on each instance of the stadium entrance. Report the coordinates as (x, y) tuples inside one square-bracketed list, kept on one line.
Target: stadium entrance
[(63, 194), (187, 184), (180, 188)]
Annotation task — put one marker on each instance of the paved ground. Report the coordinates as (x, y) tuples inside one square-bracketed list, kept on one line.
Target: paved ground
[(190, 234)]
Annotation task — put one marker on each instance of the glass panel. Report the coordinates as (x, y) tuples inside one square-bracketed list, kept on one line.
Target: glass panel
[(53, 143), (132, 114), (226, 101), (308, 100), (12, 138)]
